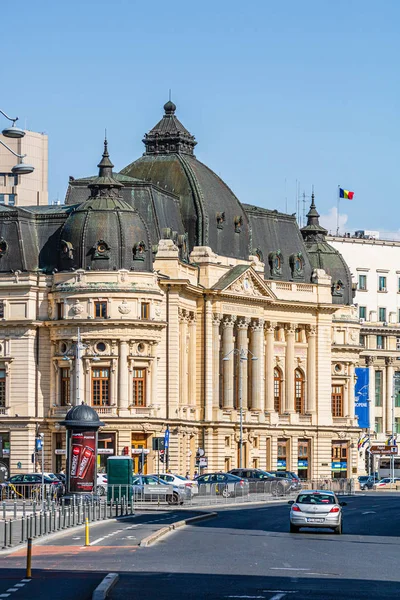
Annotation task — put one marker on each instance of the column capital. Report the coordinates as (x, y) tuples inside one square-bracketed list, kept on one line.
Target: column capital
[(183, 315), (243, 323), (257, 324), (216, 319), (192, 318), (229, 320), (389, 361), (311, 330), (270, 326), (291, 328), (369, 361)]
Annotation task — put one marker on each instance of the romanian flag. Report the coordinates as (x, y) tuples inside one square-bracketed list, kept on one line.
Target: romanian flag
[(346, 194)]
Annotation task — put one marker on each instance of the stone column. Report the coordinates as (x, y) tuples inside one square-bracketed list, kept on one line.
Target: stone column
[(389, 360), (257, 366), (369, 362), (192, 360), (208, 331), (123, 400), (228, 365), (242, 344), (311, 376), (289, 367), (351, 405), (269, 361), (216, 355), (183, 375)]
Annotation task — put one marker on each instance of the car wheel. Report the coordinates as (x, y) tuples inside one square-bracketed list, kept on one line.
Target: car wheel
[(362, 487), (174, 499), (226, 493), (294, 528), (101, 490), (338, 529)]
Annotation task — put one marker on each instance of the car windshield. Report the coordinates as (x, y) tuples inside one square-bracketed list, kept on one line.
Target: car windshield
[(180, 477), (263, 475), (315, 499)]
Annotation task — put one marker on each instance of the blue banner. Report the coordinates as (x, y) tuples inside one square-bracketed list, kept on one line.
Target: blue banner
[(281, 464), (361, 397)]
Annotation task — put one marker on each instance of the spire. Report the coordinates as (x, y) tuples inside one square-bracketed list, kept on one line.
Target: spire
[(313, 229), (105, 179), (169, 135)]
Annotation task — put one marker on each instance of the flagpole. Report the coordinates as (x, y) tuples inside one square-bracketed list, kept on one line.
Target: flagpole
[(338, 205)]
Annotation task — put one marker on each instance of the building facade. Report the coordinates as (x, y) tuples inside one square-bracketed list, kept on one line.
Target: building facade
[(136, 297), (24, 190), (374, 264)]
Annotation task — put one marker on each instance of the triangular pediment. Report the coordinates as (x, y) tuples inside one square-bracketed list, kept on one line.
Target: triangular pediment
[(243, 280)]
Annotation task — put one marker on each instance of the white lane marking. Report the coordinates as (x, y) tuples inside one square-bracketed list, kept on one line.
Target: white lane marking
[(369, 512), (280, 591), (278, 596), (25, 580), (4, 595), (286, 569), (19, 585), (12, 589), (77, 538), (97, 541), (247, 597)]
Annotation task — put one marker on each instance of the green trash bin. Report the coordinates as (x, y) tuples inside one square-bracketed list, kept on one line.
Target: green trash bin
[(119, 478)]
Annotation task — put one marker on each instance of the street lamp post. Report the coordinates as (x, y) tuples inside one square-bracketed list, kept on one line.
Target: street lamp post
[(242, 354), (16, 133), (78, 356)]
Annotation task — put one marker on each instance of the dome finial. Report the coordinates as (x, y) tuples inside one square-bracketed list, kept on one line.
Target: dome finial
[(169, 107), (105, 165)]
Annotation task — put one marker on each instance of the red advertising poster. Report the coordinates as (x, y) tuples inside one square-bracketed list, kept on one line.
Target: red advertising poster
[(82, 461)]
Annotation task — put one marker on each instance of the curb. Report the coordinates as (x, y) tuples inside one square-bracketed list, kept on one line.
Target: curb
[(145, 542), (101, 592)]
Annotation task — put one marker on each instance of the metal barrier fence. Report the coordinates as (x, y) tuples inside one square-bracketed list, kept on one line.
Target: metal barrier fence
[(38, 520), (31, 492)]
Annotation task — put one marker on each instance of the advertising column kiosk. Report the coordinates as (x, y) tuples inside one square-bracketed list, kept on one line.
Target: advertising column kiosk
[(82, 424)]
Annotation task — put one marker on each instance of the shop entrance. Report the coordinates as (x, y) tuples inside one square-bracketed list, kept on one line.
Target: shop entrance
[(4, 456), (303, 461), (339, 460), (139, 452), (105, 448)]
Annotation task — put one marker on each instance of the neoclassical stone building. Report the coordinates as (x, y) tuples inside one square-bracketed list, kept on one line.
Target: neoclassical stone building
[(136, 297)]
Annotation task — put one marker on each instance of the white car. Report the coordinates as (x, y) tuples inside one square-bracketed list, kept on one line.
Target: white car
[(101, 484), (180, 481), (387, 482)]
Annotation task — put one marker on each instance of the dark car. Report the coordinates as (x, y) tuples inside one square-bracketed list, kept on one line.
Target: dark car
[(29, 485), (295, 483), (367, 482), (263, 481), (222, 484)]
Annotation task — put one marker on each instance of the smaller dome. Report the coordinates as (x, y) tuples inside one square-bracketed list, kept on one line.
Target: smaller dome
[(82, 416), (169, 108)]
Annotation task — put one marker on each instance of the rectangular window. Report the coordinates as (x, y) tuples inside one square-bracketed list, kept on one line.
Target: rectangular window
[(145, 310), (398, 315), (382, 314), (101, 387), (139, 387), (1, 309), (337, 401), (60, 310), (382, 284), (398, 343), (11, 199), (379, 342), (2, 199), (397, 425), (378, 424), (362, 340), (362, 312), (298, 335), (396, 392), (100, 310), (2, 388), (65, 387), (12, 179), (362, 282), (398, 284), (378, 388)]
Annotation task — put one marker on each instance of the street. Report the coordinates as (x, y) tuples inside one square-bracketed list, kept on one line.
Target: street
[(242, 553)]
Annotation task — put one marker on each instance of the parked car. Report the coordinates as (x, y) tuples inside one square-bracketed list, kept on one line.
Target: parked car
[(366, 482), (263, 481), (29, 485), (101, 484), (387, 482), (178, 495), (316, 508), (179, 480), (62, 477), (222, 484), (295, 483)]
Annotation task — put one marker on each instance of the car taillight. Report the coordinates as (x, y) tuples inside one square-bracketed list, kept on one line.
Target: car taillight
[(296, 508), (335, 509), (188, 485), (241, 483)]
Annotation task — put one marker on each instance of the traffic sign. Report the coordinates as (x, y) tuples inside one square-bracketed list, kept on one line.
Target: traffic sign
[(383, 449), (158, 443), (166, 439)]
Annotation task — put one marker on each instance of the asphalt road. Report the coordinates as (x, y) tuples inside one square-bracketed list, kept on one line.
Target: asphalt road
[(245, 553)]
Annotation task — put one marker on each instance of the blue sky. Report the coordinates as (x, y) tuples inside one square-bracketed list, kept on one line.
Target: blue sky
[(275, 92)]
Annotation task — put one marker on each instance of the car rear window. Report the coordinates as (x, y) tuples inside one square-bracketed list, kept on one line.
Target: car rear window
[(315, 499)]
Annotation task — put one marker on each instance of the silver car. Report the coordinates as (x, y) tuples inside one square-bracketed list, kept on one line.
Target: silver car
[(316, 508)]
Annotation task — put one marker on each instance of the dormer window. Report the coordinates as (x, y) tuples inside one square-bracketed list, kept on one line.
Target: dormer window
[(139, 251), (101, 250), (238, 224), (296, 262), (67, 250), (275, 260), (220, 220), (3, 247), (337, 288)]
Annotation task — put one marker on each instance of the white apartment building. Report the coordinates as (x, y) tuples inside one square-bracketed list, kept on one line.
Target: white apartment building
[(24, 190), (375, 269)]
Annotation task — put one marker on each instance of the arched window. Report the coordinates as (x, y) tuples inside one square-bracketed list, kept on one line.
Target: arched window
[(299, 391), (278, 391)]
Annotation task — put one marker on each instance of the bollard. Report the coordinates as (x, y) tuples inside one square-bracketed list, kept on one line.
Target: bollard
[(24, 508), (40, 524), (34, 507), (4, 510), (87, 543), (11, 532), (29, 559), (22, 530), (5, 534), (15, 510)]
